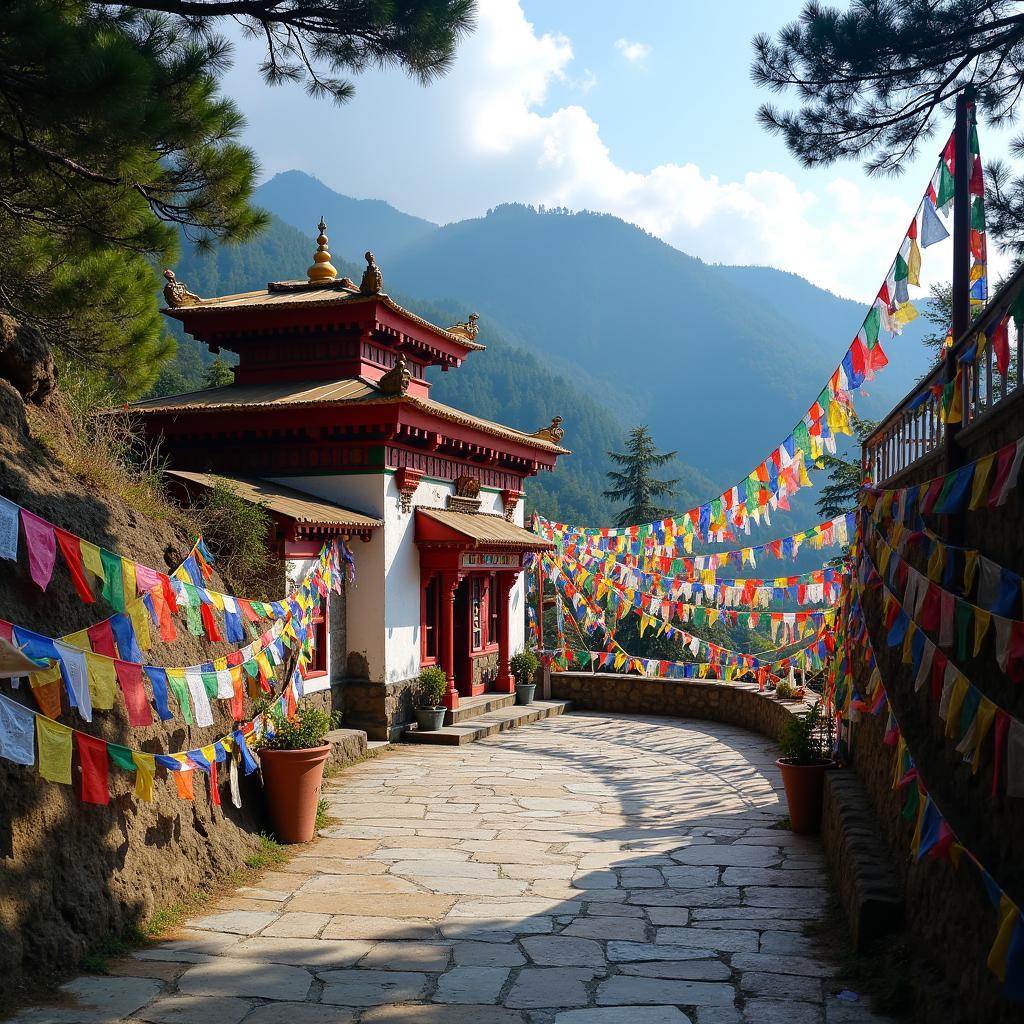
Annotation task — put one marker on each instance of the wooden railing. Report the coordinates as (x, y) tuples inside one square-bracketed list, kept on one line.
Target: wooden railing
[(915, 429)]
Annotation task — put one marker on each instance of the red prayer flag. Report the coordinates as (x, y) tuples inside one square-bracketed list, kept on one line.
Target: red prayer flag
[(209, 623), (878, 357), (1000, 729), (92, 759), (214, 790), (101, 639), (129, 678), (71, 549), (42, 549), (976, 187), (1001, 345), (169, 595)]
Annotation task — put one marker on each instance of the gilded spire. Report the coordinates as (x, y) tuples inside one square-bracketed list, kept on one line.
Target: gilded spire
[(321, 270)]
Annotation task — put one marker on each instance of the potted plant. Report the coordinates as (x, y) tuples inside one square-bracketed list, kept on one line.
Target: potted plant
[(806, 755), (523, 666), (292, 763), (784, 690), (429, 710)]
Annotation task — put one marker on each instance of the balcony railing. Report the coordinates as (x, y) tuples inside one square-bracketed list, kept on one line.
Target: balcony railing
[(916, 428)]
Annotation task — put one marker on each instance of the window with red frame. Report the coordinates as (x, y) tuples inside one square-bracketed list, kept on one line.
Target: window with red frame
[(430, 615)]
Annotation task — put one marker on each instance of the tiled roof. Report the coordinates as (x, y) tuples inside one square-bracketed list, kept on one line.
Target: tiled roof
[(305, 297), (303, 394), (486, 530), (296, 505)]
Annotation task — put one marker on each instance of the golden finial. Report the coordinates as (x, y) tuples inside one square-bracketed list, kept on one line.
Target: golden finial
[(322, 270)]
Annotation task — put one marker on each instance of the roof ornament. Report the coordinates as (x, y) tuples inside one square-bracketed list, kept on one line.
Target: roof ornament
[(176, 294), (373, 280), (554, 433), (468, 330), (322, 270), (396, 380)]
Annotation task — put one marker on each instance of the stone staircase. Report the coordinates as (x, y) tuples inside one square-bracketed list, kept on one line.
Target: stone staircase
[(490, 713)]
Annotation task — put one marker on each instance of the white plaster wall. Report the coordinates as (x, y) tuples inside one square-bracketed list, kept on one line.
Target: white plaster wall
[(365, 622), (383, 606)]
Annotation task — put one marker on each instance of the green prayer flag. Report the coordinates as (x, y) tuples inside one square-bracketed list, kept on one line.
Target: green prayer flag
[(113, 585), (973, 141), (901, 271), (801, 437), (872, 323), (180, 690), (121, 757), (753, 489), (716, 509), (210, 683), (946, 185), (193, 616), (251, 668), (913, 800), (978, 213)]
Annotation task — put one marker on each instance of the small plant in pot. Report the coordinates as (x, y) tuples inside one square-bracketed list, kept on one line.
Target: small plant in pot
[(523, 666), (806, 746), (292, 763), (431, 690)]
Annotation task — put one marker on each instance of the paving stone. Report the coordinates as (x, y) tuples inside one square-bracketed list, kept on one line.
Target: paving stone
[(195, 1010), (239, 922), (603, 928), (132, 967), (407, 956), (475, 886), (400, 905), (95, 1001), (802, 965), (669, 917), (296, 1013), (346, 926), (438, 868), (613, 910), (229, 976), (791, 898), (632, 951), (688, 970), (789, 942), (623, 990), (781, 986), (717, 1015), (710, 938), (503, 929), (549, 987), (729, 856), (772, 876), (303, 952), (439, 1013), (358, 987), (563, 951), (297, 926), (486, 954), (721, 896), (356, 884), (690, 876), (624, 1015), (641, 878), (471, 985), (780, 1011)]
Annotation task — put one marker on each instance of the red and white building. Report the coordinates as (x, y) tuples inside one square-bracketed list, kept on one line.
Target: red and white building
[(329, 424)]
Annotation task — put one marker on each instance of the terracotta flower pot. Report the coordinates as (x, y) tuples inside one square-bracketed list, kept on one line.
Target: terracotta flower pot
[(805, 786), (291, 779)]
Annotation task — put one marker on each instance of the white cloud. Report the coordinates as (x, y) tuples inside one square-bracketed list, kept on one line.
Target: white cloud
[(635, 53), (489, 132)]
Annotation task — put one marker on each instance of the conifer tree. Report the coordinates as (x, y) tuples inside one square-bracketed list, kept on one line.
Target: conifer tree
[(114, 139), (635, 485), (876, 80)]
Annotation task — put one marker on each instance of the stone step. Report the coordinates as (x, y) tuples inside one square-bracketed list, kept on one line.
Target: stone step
[(474, 707), (488, 724)]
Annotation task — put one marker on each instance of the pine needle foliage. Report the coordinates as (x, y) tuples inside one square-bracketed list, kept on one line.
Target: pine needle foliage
[(635, 484)]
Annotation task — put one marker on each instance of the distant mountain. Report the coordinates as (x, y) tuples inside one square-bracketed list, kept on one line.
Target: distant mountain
[(353, 225), (719, 361)]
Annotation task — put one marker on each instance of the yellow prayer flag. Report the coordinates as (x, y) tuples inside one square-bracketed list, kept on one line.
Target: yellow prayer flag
[(79, 640), (970, 568), (102, 680), (979, 490), (983, 719), (956, 700), (131, 590), (1008, 914), (54, 748), (217, 599), (982, 619), (936, 562), (145, 768), (905, 313), (914, 264), (91, 559), (140, 622)]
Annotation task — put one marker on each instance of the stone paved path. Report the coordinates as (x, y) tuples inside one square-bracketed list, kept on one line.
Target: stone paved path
[(592, 869)]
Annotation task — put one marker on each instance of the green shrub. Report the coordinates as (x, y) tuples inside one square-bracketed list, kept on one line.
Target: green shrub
[(432, 686), (306, 729), (805, 738), (784, 688), (524, 665)]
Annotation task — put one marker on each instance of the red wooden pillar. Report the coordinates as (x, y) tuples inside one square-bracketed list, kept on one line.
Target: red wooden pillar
[(504, 683), (449, 584)]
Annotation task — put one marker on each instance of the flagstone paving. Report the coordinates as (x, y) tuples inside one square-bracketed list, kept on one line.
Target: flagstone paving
[(592, 869)]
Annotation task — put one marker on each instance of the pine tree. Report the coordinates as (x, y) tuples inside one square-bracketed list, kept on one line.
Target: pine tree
[(877, 80), (845, 476), (218, 374), (635, 485), (114, 138)]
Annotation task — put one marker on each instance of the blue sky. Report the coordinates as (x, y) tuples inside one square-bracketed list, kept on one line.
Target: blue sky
[(644, 110)]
